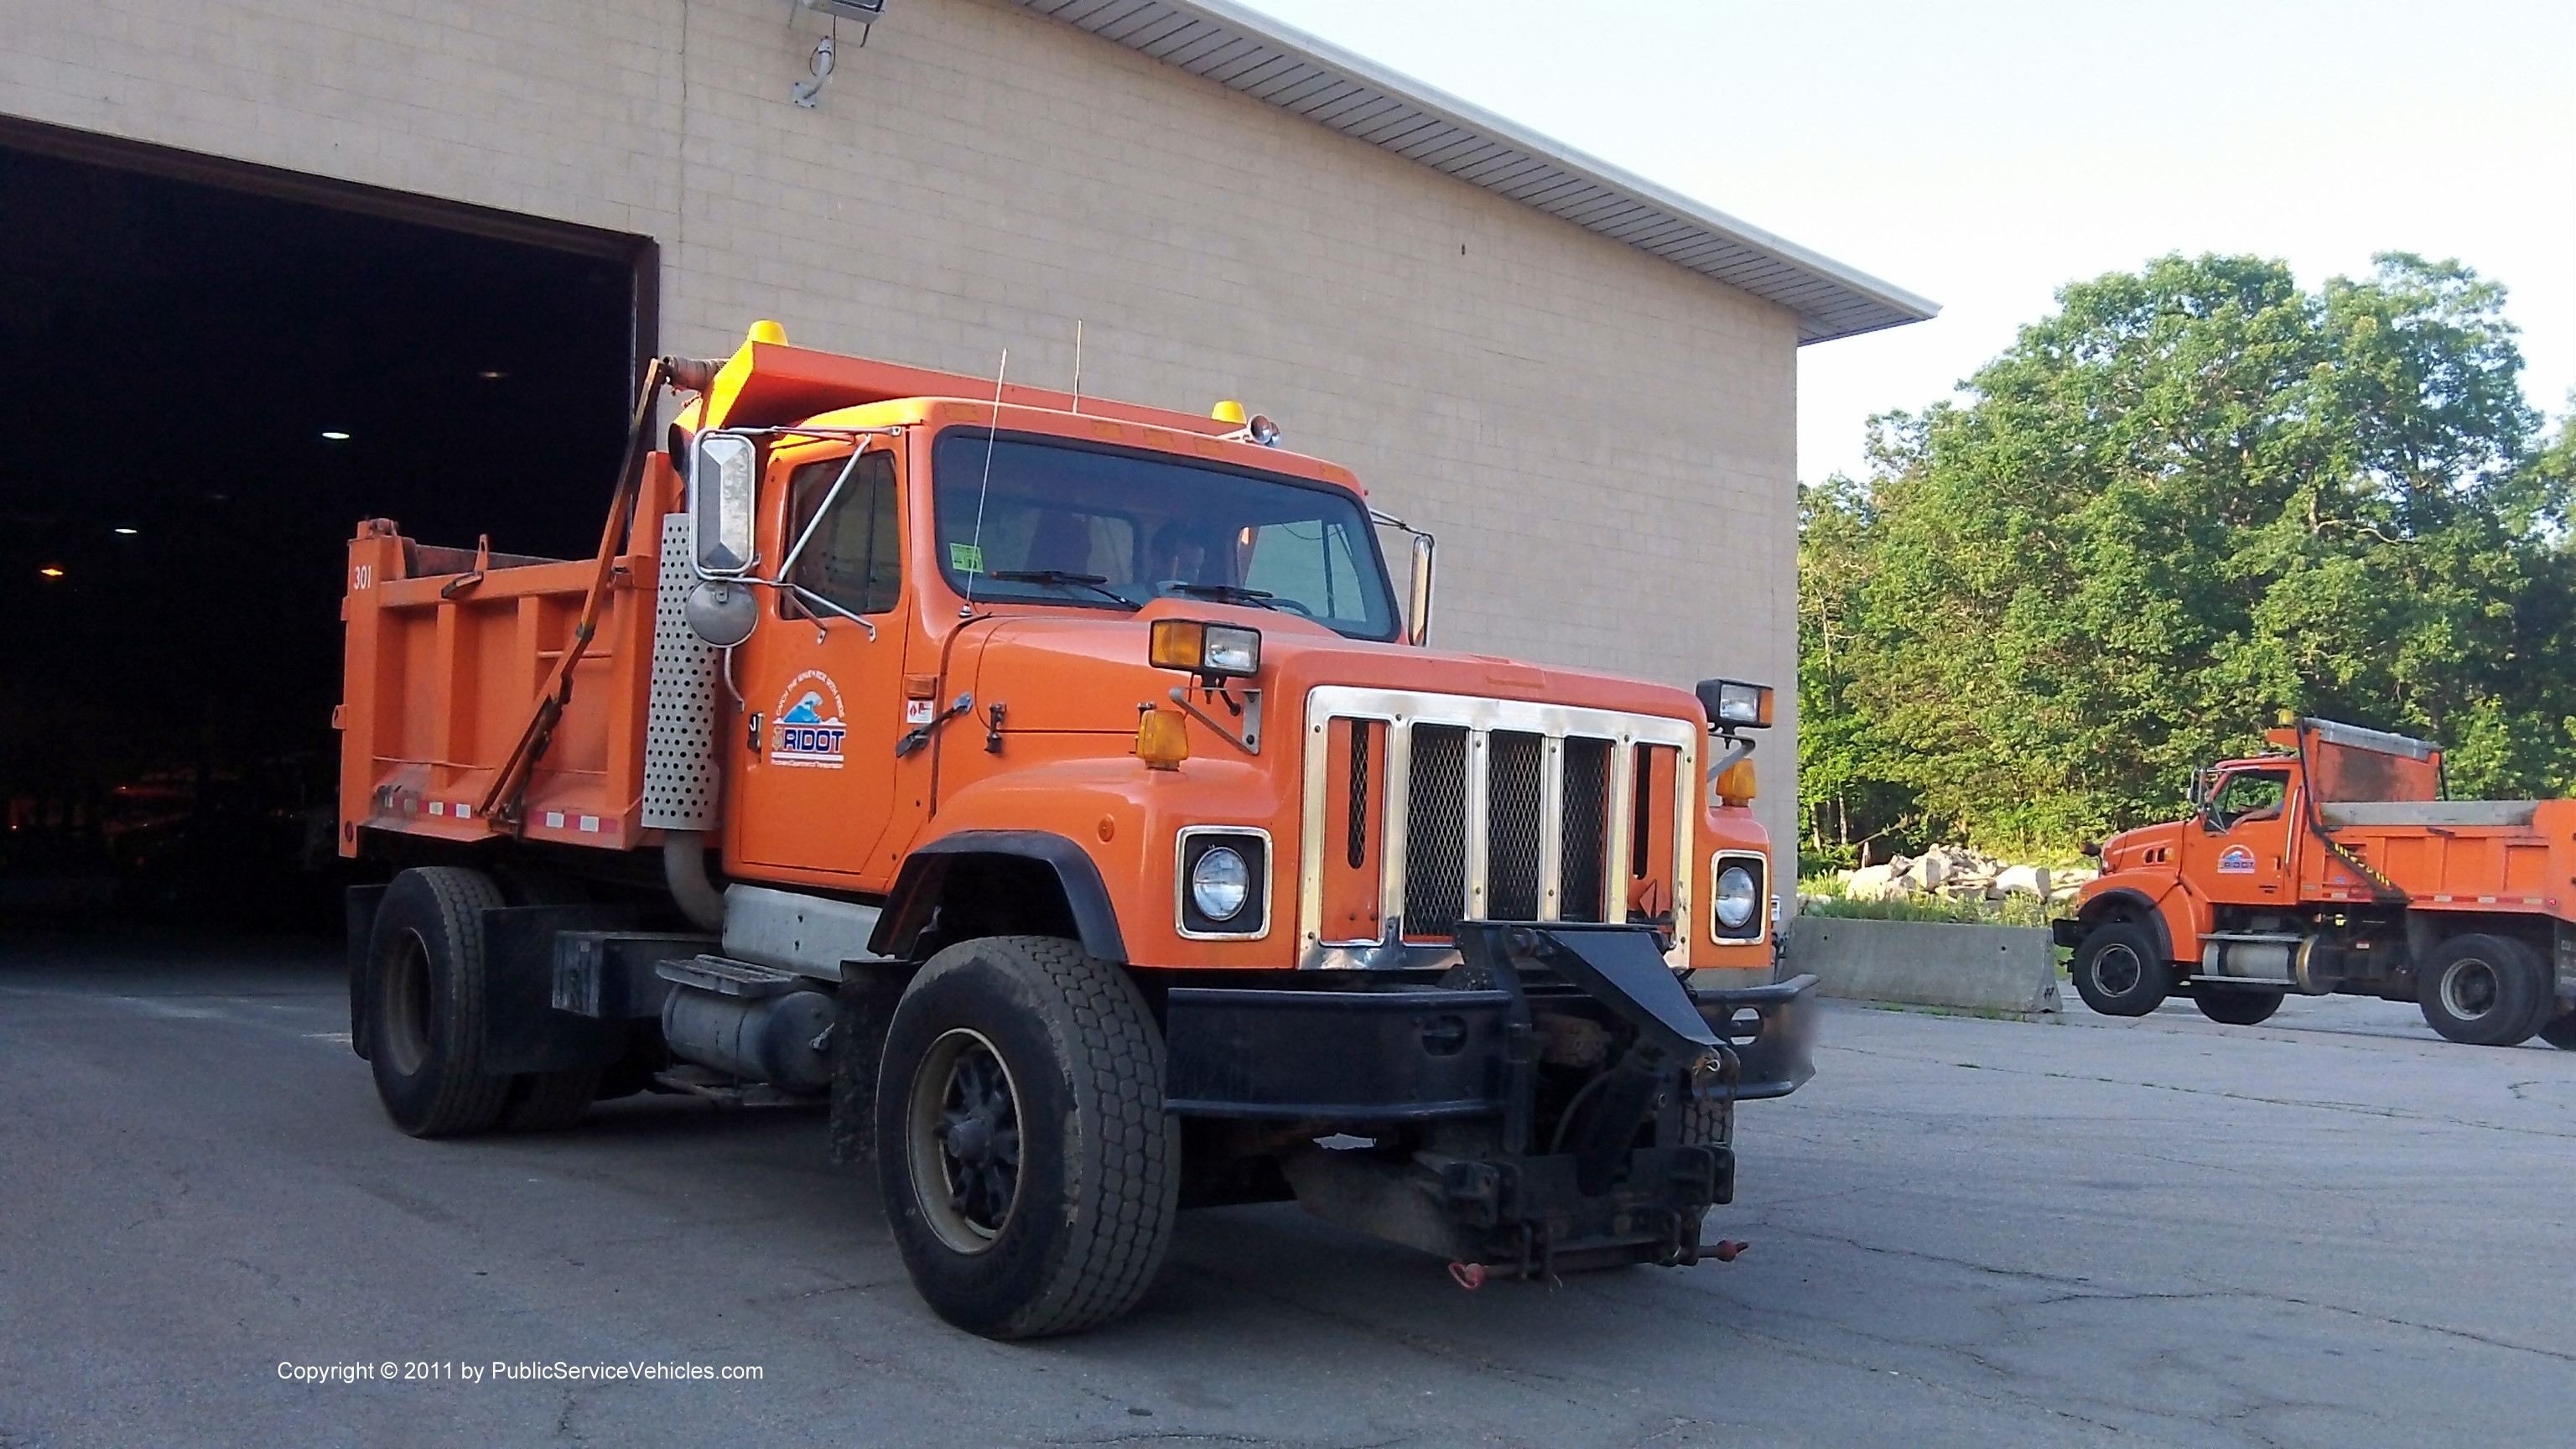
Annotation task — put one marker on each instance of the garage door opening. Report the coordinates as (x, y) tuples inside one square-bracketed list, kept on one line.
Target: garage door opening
[(216, 372)]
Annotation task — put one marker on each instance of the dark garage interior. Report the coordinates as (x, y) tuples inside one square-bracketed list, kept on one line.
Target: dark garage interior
[(218, 371)]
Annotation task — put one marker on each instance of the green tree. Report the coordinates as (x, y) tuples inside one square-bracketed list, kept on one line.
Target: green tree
[(2192, 497)]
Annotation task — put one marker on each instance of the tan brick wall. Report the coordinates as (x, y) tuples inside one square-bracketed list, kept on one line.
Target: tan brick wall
[(1604, 442)]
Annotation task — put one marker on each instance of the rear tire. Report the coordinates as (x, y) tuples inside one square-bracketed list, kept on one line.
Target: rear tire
[(2236, 1007), (425, 980), (2560, 1031), (2481, 990), (2120, 971), (1029, 1172)]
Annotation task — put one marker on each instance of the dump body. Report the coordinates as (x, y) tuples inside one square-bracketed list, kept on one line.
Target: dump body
[(2335, 865), (1079, 782)]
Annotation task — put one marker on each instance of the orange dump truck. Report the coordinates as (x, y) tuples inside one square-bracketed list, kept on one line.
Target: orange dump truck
[(1059, 790), (2335, 865)]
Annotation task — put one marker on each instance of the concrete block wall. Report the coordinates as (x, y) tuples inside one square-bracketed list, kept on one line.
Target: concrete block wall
[(1604, 442)]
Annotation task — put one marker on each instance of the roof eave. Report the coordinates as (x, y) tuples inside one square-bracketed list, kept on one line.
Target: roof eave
[(1250, 52)]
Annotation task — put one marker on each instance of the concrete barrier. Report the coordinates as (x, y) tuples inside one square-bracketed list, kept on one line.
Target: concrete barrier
[(2009, 970)]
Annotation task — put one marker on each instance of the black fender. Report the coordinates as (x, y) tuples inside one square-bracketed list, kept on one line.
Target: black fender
[(924, 880), (2135, 905)]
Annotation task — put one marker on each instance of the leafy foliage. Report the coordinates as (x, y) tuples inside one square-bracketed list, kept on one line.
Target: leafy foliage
[(2191, 498)]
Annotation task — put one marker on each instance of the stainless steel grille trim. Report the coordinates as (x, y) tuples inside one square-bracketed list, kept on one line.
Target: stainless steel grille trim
[(1401, 710), (1551, 828)]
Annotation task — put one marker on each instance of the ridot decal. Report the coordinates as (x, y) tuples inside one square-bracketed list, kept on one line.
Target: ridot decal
[(809, 728), (2236, 860)]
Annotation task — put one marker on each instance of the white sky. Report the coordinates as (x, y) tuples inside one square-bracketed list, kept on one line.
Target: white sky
[(1984, 153)]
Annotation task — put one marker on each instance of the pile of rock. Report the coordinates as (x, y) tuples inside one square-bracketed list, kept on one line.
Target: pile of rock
[(1962, 874)]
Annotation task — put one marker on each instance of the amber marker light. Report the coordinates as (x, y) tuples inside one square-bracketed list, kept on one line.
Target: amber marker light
[(1162, 740), (1735, 783), (51, 571)]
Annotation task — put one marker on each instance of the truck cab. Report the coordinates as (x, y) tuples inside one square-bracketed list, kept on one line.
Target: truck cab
[(2335, 864), (1064, 792)]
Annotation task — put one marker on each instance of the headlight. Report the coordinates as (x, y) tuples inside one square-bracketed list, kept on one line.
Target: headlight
[(1737, 897), (1220, 883), (1210, 651)]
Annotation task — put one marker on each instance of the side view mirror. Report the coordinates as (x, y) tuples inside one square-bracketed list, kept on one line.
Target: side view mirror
[(1417, 617), (723, 473)]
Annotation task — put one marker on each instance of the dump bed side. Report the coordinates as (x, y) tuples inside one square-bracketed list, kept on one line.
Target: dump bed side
[(2511, 856), (443, 669)]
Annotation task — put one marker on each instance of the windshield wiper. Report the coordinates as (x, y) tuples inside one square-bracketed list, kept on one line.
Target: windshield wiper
[(1227, 593), (1065, 578)]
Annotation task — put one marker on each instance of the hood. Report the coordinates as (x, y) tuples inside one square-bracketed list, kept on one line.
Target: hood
[(1087, 672), (2128, 849)]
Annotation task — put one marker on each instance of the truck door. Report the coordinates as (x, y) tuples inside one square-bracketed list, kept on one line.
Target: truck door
[(2238, 851), (822, 677)]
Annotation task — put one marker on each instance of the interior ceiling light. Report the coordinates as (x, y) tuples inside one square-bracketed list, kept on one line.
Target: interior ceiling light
[(334, 435)]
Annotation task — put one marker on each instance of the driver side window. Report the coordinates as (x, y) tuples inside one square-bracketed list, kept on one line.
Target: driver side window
[(856, 558), (2248, 795)]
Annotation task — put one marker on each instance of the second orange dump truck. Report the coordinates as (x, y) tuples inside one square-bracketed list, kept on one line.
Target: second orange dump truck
[(2335, 865), (1061, 789)]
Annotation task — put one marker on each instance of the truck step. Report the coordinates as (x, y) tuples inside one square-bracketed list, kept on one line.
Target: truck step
[(727, 977)]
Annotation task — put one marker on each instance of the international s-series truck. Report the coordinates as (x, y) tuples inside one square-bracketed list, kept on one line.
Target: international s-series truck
[(1098, 836), (2334, 864)]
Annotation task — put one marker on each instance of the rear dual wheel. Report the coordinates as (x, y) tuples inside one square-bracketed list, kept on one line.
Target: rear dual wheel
[(423, 993), (2482, 990)]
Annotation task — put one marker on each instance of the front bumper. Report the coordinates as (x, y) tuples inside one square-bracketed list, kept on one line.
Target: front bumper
[(1572, 1103)]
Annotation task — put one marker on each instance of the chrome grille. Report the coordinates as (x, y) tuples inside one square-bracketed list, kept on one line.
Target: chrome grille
[(1493, 808), (1583, 829), (1515, 826), (1435, 831)]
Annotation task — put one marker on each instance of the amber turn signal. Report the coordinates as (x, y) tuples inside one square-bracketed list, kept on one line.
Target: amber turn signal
[(1162, 739), (1735, 783)]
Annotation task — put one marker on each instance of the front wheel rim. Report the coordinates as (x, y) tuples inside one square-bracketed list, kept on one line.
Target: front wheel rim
[(964, 1130), (2470, 989), (2116, 970)]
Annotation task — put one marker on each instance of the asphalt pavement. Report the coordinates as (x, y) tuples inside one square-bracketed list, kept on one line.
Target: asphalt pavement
[(2333, 1229)]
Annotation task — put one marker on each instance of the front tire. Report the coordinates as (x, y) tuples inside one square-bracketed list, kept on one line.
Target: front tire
[(425, 968), (2236, 1007), (2481, 990), (2120, 971), (1029, 1172)]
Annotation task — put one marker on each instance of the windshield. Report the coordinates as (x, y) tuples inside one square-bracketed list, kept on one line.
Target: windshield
[(1063, 523)]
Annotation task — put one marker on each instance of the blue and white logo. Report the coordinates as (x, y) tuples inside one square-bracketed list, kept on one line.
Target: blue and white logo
[(2236, 860), (808, 730)]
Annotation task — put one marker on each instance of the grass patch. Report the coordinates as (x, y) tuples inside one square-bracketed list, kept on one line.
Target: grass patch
[(2010, 911)]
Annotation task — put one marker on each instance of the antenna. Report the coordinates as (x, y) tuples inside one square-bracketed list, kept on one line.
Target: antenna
[(1077, 365), (985, 490)]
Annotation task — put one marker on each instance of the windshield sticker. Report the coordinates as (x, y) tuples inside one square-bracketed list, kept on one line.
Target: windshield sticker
[(809, 730), (2236, 860), (966, 558)]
